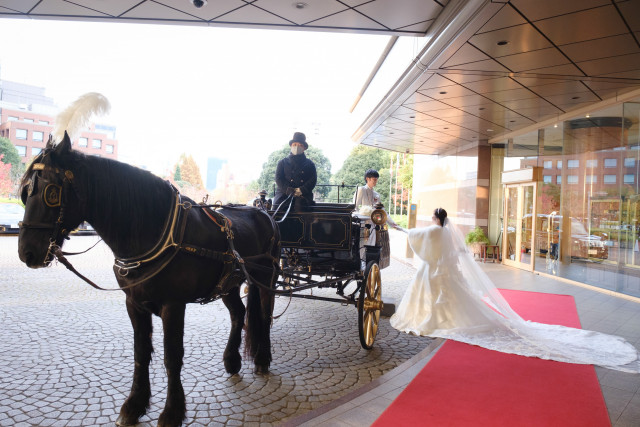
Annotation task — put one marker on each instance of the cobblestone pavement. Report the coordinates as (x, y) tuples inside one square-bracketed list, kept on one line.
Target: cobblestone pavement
[(66, 354)]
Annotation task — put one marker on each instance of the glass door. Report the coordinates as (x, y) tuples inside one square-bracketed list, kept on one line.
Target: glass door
[(519, 225)]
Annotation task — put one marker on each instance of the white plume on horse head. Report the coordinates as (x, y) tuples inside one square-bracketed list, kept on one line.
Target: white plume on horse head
[(77, 115)]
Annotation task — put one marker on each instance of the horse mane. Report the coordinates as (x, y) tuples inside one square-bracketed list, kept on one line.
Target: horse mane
[(127, 206)]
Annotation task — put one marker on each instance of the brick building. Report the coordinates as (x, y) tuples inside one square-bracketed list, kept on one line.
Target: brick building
[(27, 118)]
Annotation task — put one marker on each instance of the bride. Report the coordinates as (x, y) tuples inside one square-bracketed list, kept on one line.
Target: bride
[(451, 297)]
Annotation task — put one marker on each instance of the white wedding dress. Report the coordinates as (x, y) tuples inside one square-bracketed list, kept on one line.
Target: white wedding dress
[(451, 297)]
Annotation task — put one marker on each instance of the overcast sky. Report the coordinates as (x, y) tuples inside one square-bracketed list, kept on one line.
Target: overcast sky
[(209, 92)]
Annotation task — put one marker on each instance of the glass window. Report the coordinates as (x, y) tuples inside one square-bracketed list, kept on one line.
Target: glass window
[(548, 164), (573, 164), (96, 143), (109, 148), (12, 119), (35, 151), (609, 179), (547, 179), (22, 150), (591, 179), (43, 122), (559, 179), (559, 164), (629, 178), (21, 133), (83, 142), (28, 120), (610, 163), (37, 135), (572, 179), (592, 163), (629, 162)]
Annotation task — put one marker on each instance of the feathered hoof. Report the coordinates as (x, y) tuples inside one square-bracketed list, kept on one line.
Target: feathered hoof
[(232, 365), (261, 369), (124, 421), (170, 419)]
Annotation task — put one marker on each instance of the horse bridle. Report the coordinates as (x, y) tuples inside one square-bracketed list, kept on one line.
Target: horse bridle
[(54, 196)]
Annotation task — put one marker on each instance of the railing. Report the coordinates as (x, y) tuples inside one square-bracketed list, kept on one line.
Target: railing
[(343, 194)]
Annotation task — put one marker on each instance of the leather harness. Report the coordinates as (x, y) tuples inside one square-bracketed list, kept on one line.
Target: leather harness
[(172, 237)]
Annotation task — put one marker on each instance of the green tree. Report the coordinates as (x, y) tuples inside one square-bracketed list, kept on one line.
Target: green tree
[(352, 172), (267, 179), (177, 176), (10, 156), (10, 152)]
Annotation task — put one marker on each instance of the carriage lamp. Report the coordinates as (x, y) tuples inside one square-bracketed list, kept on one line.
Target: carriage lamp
[(379, 216)]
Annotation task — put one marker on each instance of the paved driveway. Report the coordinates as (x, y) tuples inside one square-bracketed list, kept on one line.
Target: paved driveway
[(66, 354)]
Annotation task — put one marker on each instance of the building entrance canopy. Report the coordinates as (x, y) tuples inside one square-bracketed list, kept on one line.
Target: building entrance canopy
[(487, 69)]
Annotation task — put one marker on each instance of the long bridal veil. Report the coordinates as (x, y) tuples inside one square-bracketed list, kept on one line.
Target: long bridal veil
[(452, 297)]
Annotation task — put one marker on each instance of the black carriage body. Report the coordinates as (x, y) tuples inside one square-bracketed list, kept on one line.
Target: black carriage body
[(323, 247), (325, 240)]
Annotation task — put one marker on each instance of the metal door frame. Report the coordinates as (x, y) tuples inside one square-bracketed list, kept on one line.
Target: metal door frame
[(505, 223)]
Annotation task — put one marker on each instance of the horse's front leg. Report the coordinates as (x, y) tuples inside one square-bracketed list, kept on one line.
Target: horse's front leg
[(231, 357), (138, 401), (173, 324)]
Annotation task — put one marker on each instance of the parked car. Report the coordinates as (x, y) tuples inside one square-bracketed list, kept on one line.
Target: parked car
[(10, 215), (582, 244)]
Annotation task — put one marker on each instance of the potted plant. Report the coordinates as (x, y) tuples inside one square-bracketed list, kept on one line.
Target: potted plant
[(475, 239)]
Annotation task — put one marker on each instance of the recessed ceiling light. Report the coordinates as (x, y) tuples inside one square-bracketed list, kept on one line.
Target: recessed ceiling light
[(503, 43), (446, 128), (299, 5), (489, 130), (481, 108), (412, 117), (443, 93), (555, 126), (575, 97), (587, 116), (391, 133), (512, 121)]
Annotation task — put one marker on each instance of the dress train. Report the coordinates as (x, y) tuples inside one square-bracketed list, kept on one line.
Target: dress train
[(451, 297)]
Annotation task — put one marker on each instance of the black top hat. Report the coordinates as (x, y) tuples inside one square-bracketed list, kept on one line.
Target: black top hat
[(301, 138)]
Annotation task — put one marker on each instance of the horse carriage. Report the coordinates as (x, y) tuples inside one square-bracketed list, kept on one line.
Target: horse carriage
[(170, 251), (326, 246)]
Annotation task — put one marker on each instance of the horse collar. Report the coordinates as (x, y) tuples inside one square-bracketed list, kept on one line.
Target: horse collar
[(171, 237)]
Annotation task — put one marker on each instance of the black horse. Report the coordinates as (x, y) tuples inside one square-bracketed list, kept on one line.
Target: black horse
[(169, 252)]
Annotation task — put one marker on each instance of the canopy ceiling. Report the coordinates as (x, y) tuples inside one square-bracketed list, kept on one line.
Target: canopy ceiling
[(400, 17), (490, 69), (497, 69)]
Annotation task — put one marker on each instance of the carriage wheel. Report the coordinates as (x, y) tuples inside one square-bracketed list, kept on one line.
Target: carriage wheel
[(369, 305)]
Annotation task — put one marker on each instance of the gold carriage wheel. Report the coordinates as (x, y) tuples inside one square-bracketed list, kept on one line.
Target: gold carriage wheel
[(370, 305)]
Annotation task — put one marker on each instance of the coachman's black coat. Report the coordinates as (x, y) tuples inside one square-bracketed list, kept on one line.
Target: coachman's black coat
[(295, 172)]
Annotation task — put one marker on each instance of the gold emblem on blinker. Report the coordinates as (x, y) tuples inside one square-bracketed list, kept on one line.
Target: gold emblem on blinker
[(52, 195)]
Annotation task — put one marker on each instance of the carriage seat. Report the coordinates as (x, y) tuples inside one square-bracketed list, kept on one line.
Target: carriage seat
[(332, 207)]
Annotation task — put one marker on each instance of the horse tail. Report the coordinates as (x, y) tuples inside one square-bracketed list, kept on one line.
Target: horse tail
[(260, 304), (255, 323)]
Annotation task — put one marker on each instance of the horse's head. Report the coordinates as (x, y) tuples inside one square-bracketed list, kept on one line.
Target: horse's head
[(52, 207)]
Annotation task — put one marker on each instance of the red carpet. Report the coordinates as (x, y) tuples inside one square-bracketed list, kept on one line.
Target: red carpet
[(465, 385)]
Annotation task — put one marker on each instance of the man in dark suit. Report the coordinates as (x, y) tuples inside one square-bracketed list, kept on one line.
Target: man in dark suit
[(296, 175)]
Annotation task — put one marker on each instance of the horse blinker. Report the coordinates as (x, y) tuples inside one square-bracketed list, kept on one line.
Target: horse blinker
[(52, 195)]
